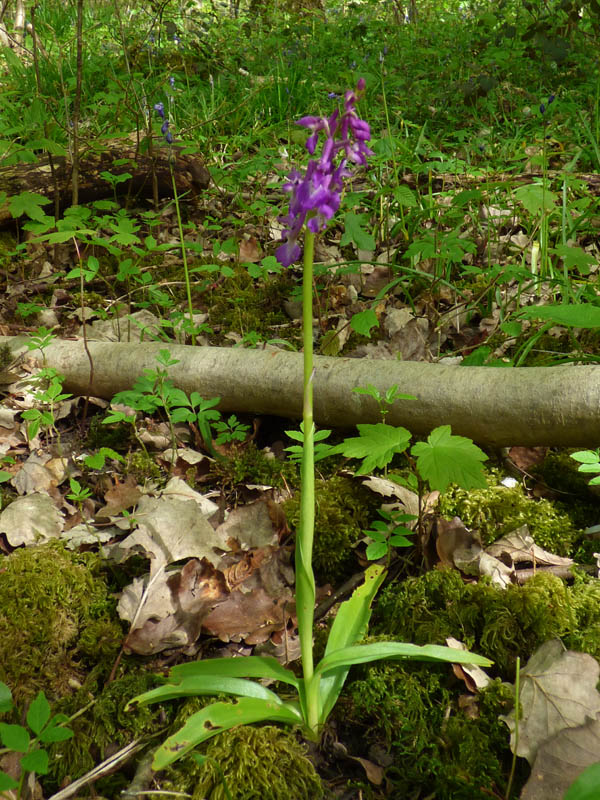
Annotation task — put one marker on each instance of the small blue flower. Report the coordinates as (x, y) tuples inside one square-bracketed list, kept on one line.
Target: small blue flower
[(160, 109), (542, 108), (172, 81), (551, 98)]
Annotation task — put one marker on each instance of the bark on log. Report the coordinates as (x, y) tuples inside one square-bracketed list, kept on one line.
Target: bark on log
[(557, 406), (191, 176)]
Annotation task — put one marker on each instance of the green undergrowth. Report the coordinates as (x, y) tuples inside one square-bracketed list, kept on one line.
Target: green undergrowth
[(57, 621), (500, 624), (245, 306), (103, 726), (251, 465), (440, 747), (438, 750), (499, 510)]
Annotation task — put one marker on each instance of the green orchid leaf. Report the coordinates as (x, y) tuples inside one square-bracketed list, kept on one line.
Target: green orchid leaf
[(364, 653), (248, 667), (349, 626), (196, 685), (220, 717), (576, 315)]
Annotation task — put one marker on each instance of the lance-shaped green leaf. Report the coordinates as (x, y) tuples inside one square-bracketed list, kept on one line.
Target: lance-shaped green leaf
[(349, 627), (248, 667), (196, 685), (220, 717), (364, 653)]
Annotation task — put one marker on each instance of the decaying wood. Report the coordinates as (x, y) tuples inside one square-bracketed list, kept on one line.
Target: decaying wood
[(191, 176), (494, 406)]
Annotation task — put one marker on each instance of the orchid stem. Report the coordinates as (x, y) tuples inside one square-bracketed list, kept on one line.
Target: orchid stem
[(305, 580)]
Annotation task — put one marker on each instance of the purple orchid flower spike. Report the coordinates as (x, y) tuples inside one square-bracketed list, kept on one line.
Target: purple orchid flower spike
[(316, 196)]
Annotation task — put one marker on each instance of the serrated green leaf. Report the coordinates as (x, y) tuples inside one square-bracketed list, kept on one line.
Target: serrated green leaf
[(15, 737), (405, 197), (28, 203), (444, 459), (38, 713), (535, 198), (354, 232), (36, 761), (574, 256), (376, 445), (364, 321)]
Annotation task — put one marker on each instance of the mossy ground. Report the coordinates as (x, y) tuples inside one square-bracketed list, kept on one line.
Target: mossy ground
[(344, 509), (57, 620), (256, 763), (499, 510)]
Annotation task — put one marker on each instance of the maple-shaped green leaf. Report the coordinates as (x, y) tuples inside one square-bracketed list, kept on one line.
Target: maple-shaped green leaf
[(445, 458), (355, 232), (27, 203), (363, 321), (376, 445)]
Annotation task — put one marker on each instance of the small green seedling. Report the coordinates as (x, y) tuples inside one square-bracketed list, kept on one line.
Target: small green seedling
[(49, 397), (19, 739), (385, 400), (589, 461), (321, 449), (388, 532), (78, 492), (231, 430)]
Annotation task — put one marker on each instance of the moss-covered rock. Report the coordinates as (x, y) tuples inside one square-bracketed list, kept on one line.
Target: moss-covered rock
[(437, 750), (498, 510), (56, 619), (500, 624), (256, 763)]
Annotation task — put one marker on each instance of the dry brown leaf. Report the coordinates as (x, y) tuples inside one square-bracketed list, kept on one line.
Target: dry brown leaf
[(558, 691), (561, 759)]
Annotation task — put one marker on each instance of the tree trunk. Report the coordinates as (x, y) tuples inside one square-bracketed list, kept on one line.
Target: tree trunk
[(494, 406)]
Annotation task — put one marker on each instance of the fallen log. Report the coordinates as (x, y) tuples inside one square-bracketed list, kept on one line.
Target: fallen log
[(148, 171), (557, 406)]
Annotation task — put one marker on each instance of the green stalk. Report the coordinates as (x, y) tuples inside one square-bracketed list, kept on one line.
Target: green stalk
[(183, 256), (305, 579)]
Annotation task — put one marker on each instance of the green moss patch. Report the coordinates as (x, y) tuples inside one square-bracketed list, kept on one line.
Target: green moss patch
[(56, 617)]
